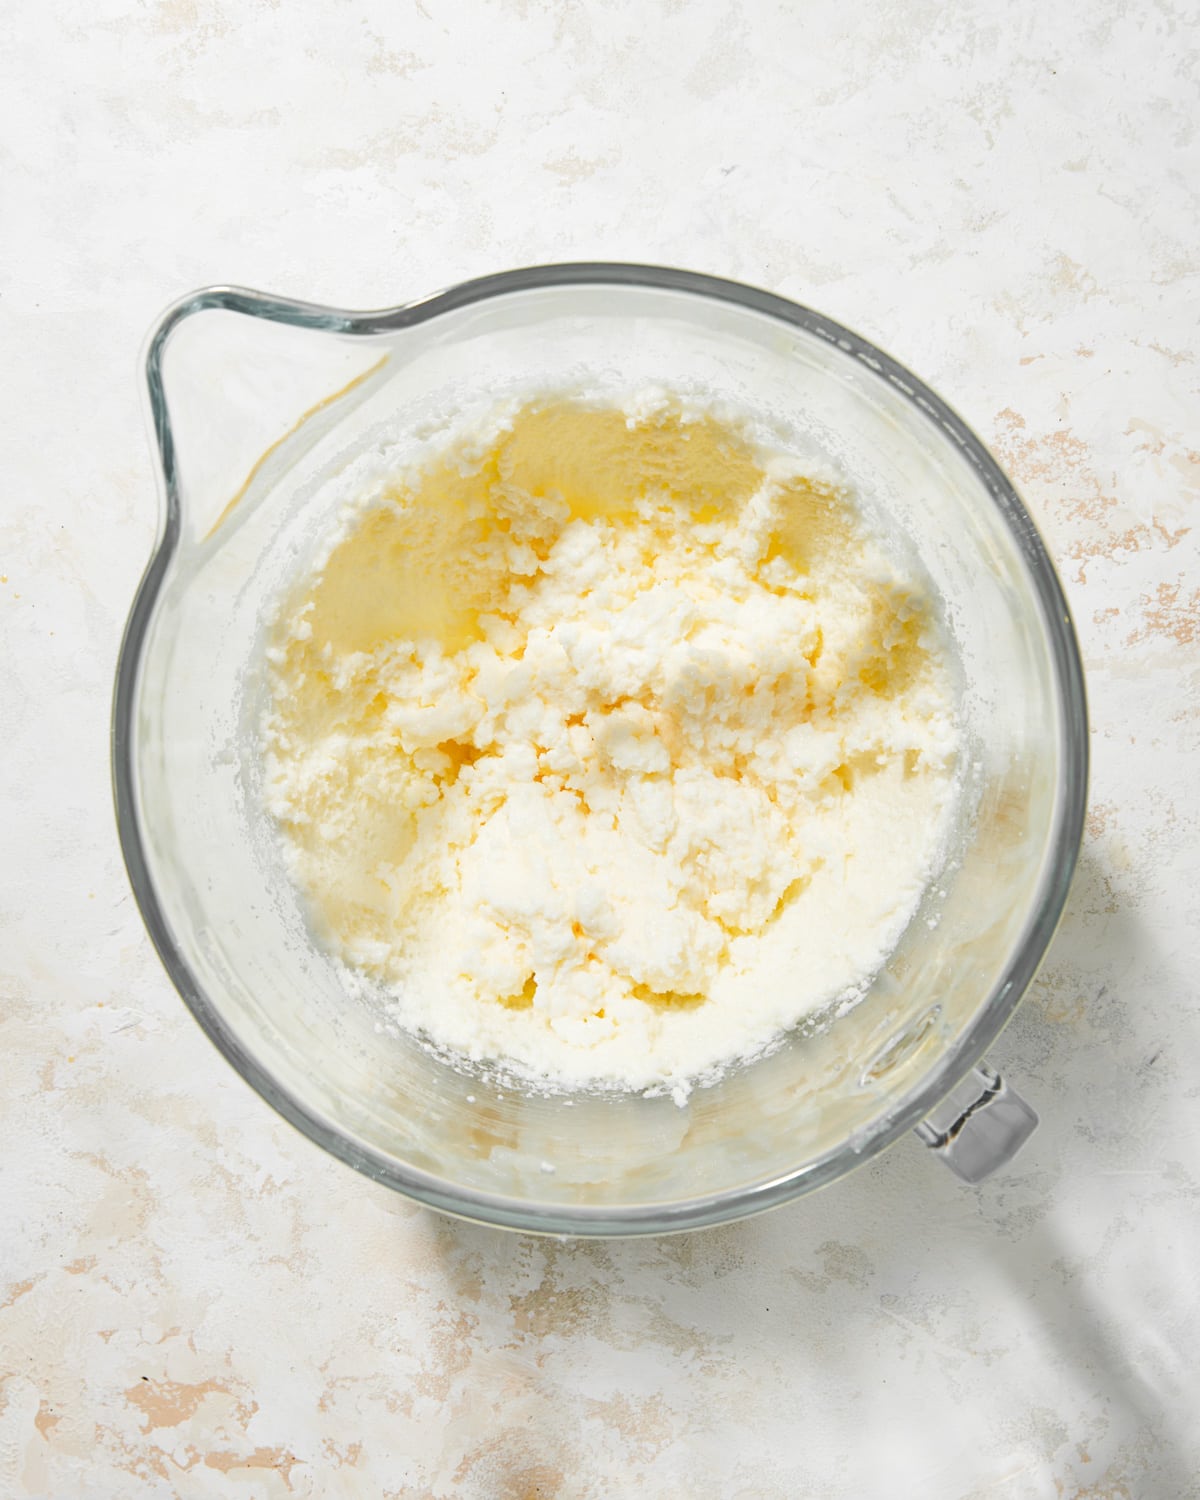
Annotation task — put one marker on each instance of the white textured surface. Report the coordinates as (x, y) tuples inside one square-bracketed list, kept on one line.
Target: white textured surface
[(196, 1302)]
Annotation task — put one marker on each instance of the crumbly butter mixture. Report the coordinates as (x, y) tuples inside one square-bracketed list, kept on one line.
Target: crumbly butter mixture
[(612, 745)]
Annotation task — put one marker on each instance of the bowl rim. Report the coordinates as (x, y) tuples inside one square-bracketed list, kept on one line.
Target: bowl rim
[(935, 1082)]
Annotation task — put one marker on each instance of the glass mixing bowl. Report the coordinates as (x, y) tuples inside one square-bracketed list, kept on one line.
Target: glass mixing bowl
[(230, 372)]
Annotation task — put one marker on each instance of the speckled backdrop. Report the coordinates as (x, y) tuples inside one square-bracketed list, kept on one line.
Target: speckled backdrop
[(195, 1301)]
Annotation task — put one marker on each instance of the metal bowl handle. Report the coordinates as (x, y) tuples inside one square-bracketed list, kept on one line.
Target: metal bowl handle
[(979, 1126)]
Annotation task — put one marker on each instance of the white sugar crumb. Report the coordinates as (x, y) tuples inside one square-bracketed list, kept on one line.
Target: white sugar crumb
[(610, 745)]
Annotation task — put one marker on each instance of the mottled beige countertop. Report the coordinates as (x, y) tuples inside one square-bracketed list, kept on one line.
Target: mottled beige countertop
[(195, 1301)]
